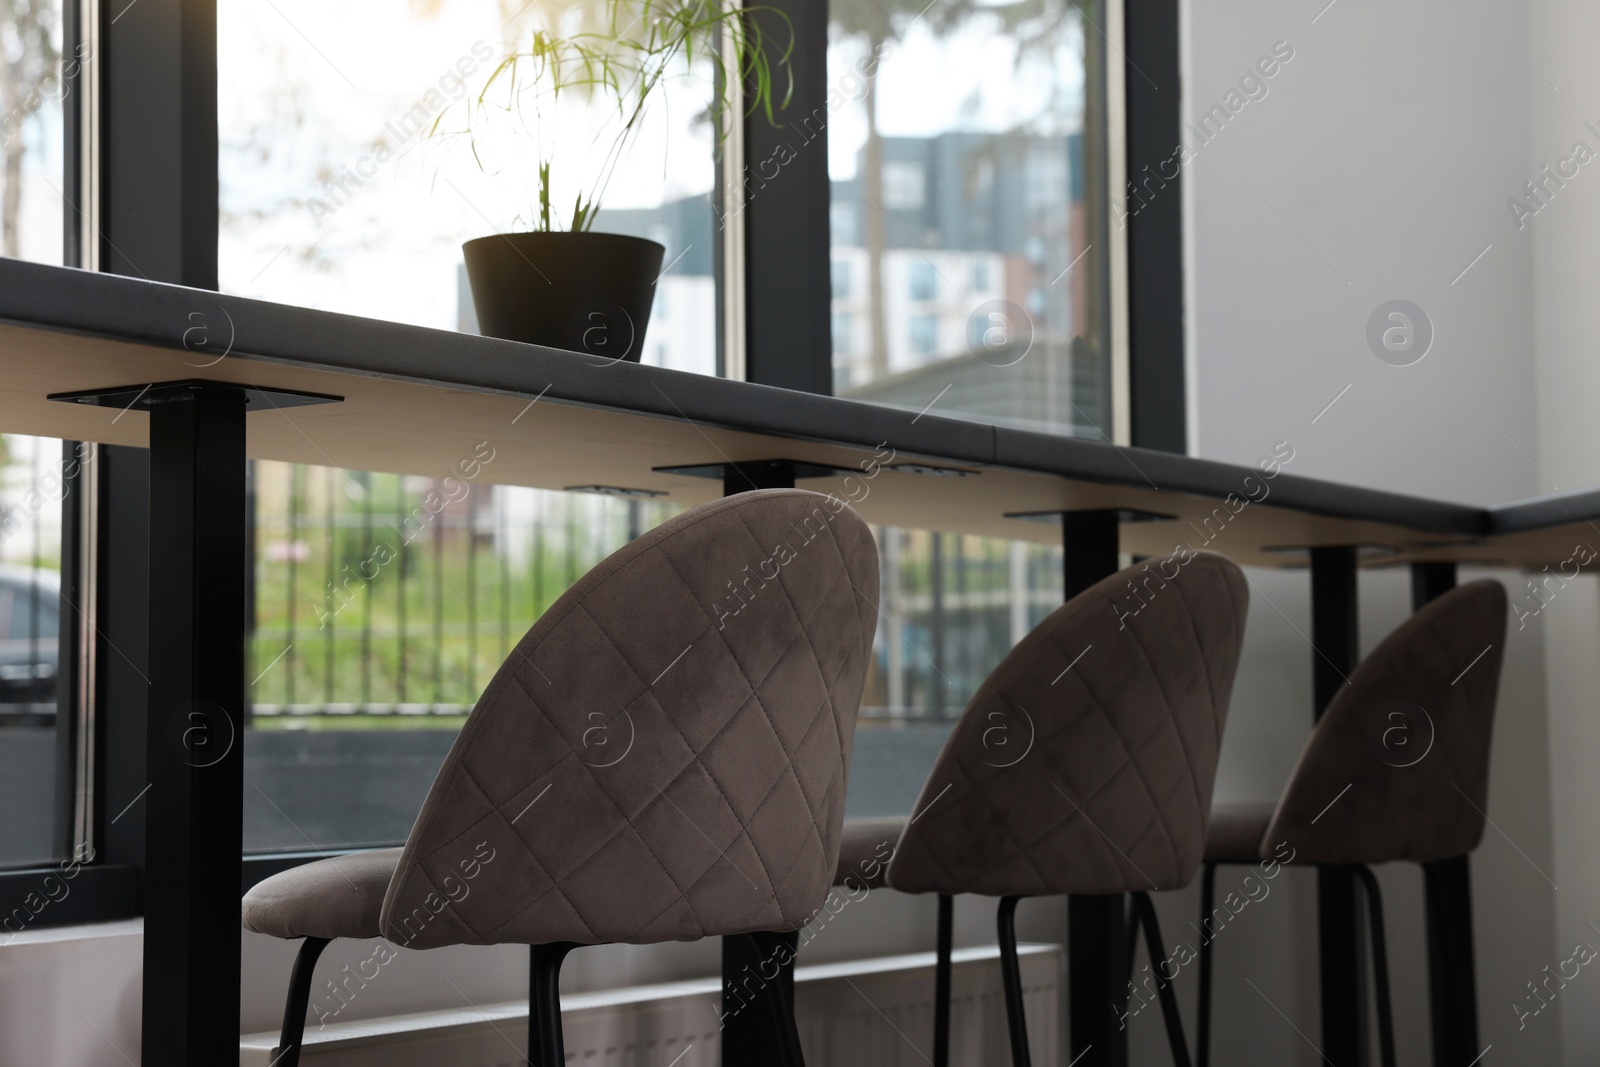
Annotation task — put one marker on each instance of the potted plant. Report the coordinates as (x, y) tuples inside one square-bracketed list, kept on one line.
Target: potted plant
[(560, 283)]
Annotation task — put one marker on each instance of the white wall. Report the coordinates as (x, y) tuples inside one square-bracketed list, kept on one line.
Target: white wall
[(1377, 168), (1566, 242)]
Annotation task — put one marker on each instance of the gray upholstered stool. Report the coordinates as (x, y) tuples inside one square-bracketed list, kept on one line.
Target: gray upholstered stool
[(1083, 765), (720, 659), (1396, 769)]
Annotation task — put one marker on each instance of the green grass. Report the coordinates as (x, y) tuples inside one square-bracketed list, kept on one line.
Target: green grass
[(451, 723), (377, 610)]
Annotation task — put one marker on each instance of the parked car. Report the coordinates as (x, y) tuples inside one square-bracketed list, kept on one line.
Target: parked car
[(30, 629)]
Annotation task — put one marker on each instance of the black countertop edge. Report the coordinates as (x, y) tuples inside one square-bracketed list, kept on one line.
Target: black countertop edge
[(169, 316), (1558, 509), (132, 309), (1170, 472)]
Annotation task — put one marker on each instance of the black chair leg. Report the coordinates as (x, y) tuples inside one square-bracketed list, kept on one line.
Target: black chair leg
[(287, 1054), (1380, 964), (1169, 999), (546, 1047), (1130, 954), (1208, 899), (941, 983), (1011, 974)]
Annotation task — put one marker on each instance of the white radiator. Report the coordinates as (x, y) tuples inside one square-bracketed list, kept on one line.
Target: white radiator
[(864, 1013)]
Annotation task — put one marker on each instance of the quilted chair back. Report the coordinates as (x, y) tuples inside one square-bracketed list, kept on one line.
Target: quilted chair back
[(1084, 764), (663, 756), (1398, 766)]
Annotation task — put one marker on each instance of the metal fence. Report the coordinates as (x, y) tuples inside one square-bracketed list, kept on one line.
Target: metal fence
[(383, 595)]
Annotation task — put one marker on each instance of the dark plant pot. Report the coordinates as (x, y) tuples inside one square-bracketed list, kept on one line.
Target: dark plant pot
[(584, 292)]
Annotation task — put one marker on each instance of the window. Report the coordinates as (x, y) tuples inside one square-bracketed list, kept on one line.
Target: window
[(336, 194), (839, 277), (377, 625), (904, 186), (844, 223), (32, 88), (967, 152), (843, 328), (965, 188), (31, 489)]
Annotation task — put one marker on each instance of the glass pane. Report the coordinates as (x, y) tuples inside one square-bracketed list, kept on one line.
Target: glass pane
[(383, 605), (31, 128), (964, 162), (31, 489), (338, 193), (951, 607)]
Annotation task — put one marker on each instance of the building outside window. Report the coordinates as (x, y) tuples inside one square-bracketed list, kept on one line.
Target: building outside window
[(971, 153), (904, 185), (839, 278), (924, 330), (843, 326)]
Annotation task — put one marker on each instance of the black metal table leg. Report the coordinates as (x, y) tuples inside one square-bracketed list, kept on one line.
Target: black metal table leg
[(758, 969), (1447, 888), (1096, 926), (1097, 979), (1334, 637), (758, 1001), (194, 837), (194, 824), (1452, 986)]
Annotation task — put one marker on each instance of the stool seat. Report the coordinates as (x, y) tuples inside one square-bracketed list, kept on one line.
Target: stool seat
[(341, 896), (1236, 831), (865, 849)]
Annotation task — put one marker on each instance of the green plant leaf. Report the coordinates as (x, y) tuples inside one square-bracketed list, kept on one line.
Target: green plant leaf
[(623, 55)]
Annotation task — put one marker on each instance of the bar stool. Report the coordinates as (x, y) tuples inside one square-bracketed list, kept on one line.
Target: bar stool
[(659, 759), (1083, 765), (1397, 769)]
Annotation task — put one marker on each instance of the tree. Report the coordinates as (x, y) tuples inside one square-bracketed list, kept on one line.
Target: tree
[(877, 23), (31, 63)]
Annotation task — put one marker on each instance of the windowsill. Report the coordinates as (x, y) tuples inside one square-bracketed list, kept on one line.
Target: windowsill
[(51, 935)]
